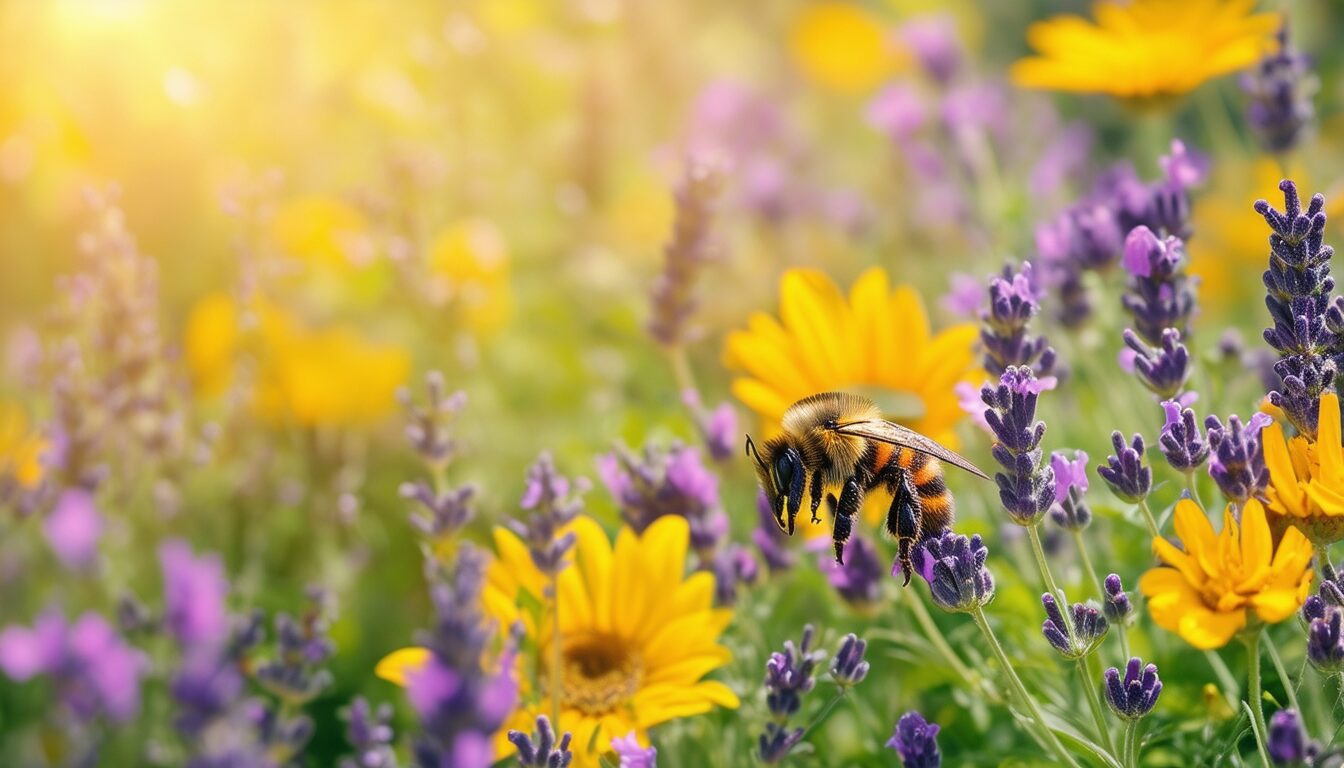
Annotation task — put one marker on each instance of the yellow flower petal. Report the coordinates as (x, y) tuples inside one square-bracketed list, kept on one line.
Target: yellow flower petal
[(395, 666)]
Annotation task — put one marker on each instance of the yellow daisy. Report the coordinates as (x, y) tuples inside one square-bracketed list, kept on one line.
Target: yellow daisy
[(21, 447), (469, 270), (1145, 49), (322, 231), (877, 343), (1207, 586), (841, 46), (1306, 478), (636, 634)]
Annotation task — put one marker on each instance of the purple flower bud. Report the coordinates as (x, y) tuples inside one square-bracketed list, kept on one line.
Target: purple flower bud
[(1288, 743), (933, 40), (1325, 641), (1163, 371), (1078, 637), (671, 481), (1332, 585), (1180, 440), (1026, 488), (632, 755), (791, 674), (1158, 296), (859, 580), (954, 567), (370, 733), (73, 528), (849, 668), (540, 749), (1117, 606), (733, 566), (1236, 457), (1013, 301), (1184, 167), (1069, 510), (548, 494), (1279, 89), (1124, 472), (916, 742), (1134, 696), (777, 742), (897, 111)]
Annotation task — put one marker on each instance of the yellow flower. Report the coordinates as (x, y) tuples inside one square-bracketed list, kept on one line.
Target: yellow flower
[(21, 447), (876, 342), (1145, 49), (637, 635), (1306, 478), (469, 267), (1209, 584), (322, 231), (841, 46)]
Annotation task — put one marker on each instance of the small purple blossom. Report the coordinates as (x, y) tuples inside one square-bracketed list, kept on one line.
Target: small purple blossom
[(1279, 89), (916, 742), (1162, 370), (95, 671), (1076, 636), (73, 528), (1070, 511), (859, 580), (934, 42), (553, 508), (1180, 440), (1159, 296), (791, 674), (1183, 166), (370, 733), (1236, 456), (897, 111), (631, 754), (1135, 695), (1288, 743), (670, 481), (733, 567), (777, 742), (954, 567), (1124, 471), (1325, 639), (194, 591), (1116, 605), (541, 749), (1013, 301), (965, 295), (849, 667), (1026, 488)]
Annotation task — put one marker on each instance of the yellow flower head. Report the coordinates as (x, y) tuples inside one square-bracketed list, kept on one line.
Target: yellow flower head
[(469, 267), (636, 635), (322, 231), (21, 447), (1206, 586), (841, 46), (876, 342), (1145, 49), (1306, 478)]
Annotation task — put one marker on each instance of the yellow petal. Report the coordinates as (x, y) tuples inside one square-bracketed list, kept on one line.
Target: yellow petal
[(395, 666)]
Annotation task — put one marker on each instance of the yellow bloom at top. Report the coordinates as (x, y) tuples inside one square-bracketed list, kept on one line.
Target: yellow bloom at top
[(1145, 48), (839, 45), (1207, 586), (21, 447), (636, 635), (1306, 478), (876, 342)]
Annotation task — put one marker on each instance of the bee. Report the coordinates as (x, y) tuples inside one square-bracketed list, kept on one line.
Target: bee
[(836, 443)]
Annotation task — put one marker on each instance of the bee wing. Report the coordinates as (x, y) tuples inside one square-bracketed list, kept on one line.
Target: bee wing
[(895, 434)]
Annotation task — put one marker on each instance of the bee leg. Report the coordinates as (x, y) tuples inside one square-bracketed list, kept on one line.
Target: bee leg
[(816, 495), (903, 521), (851, 499)]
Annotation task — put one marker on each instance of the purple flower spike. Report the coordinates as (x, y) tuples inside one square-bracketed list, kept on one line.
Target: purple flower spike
[(540, 749), (1180, 440), (1026, 488), (1325, 640), (933, 39), (553, 508), (693, 245), (859, 580), (1288, 744), (195, 589), (1236, 457), (632, 755), (95, 672), (1069, 510), (1124, 472), (1135, 695), (1163, 371), (1280, 86), (666, 481), (849, 667), (1159, 296), (370, 732), (73, 528), (1077, 637), (1308, 326), (897, 111), (916, 742), (954, 567), (1013, 301), (1117, 606), (777, 742), (791, 674)]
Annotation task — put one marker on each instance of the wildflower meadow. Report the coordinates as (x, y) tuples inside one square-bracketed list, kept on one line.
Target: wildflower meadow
[(375, 379)]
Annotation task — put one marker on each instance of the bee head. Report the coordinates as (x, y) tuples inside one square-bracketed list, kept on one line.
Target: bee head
[(780, 472)]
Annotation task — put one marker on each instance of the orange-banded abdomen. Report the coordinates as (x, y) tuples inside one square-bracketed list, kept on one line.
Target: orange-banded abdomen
[(925, 474)]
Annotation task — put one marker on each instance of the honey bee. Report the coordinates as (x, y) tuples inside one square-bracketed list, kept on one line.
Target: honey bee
[(836, 443)]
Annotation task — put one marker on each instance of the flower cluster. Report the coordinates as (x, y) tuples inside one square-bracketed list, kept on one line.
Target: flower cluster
[(1070, 511), (916, 742), (1134, 695), (1236, 457), (1013, 300), (1180, 440), (954, 567), (1159, 295), (541, 749), (1124, 471), (1076, 635), (1026, 487), (443, 511), (551, 508), (788, 677)]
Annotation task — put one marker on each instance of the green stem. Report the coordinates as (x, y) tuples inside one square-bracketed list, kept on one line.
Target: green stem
[(1087, 564), (1254, 697), (1231, 688), (826, 710), (1193, 485), (1282, 672), (1148, 518), (1034, 533), (940, 644), (1046, 735), (1090, 689), (1122, 632), (1131, 743)]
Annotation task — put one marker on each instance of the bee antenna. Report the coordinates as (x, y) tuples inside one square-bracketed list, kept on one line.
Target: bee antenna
[(751, 450)]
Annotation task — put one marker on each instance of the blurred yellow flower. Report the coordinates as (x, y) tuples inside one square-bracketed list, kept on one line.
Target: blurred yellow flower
[(469, 270), (840, 45), (305, 377), (637, 635), (21, 447), (876, 342), (1306, 478), (1146, 48), (323, 232), (1206, 587)]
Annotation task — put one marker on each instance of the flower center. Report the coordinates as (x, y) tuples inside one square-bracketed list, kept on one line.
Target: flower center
[(896, 404), (600, 673)]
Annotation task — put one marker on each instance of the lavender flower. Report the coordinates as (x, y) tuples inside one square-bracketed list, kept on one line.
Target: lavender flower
[(370, 734), (1013, 301), (1076, 636), (733, 567), (1288, 743), (73, 528), (1026, 488), (1236, 457), (670, 481), (295, 673), (916, 742), (788, 676), (897, 111), (632, 755), (1279, 90), (777, 742), (194, 591), (541, 750), (718, 427), (933, 40), (1332, 585), (1163, 371), (1306, 330), (859, 580), (690, 248), (1116, 605), (427, 425), (848, 668), (1069, 510), (548, 493), (772, 542), (954, 567), (1135, 695), (1124, 472), (1325, 640), (1159, 296), (1180, 440), (93, 670)]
